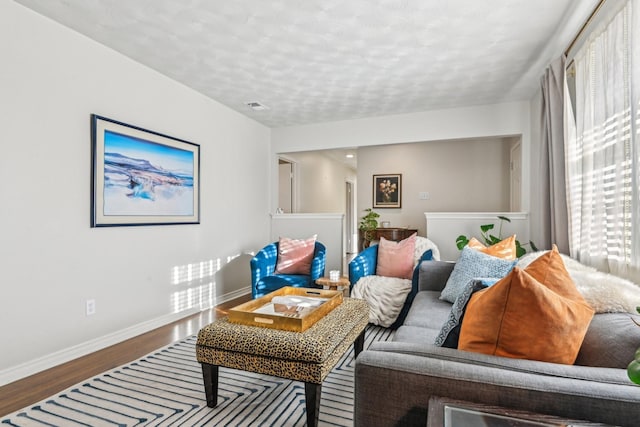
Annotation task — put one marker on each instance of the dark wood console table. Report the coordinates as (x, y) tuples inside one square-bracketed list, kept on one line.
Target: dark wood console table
[(390, 233)]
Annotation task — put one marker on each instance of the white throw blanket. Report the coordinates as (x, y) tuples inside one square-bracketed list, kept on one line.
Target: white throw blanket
[(606, 293), (386, 295)]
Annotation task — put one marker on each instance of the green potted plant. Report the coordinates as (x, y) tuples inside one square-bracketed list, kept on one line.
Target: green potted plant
[(633, 369), (368, 223), (490, 239)]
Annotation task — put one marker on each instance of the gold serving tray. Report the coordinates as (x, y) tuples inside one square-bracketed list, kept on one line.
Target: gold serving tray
[(258, 312)]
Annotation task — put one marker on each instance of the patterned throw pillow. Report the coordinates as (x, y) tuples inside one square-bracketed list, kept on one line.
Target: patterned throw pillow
[(473, 264), (395, 259), (450, 332), (295, 255)]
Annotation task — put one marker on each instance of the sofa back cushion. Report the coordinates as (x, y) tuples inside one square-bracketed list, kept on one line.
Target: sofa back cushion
[(611, 341)]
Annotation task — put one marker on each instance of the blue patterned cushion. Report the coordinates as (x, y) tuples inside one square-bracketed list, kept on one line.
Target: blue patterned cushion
[(473, 264), (450, 332)]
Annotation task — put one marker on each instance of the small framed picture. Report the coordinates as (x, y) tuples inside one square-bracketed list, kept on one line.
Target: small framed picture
[(387, 191)]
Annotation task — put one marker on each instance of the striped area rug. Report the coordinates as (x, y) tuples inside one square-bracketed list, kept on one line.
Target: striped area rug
[(165, 389)]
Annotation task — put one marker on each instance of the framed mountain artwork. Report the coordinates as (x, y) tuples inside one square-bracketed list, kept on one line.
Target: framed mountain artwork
[(141, 177)]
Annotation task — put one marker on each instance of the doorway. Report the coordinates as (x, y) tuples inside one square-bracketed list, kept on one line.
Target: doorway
[(515, 171), (286, 181), (349, 215)]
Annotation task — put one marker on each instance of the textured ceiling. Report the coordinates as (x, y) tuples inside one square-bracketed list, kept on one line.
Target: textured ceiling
[(314, 61)]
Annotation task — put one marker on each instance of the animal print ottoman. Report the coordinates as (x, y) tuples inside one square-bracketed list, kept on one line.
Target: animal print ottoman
[(305, 356)]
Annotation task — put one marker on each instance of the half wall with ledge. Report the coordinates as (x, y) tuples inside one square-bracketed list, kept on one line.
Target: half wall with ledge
[(443, 228)]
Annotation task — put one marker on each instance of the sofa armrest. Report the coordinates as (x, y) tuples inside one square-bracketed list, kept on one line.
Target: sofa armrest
[(433, 275), (394, 381)]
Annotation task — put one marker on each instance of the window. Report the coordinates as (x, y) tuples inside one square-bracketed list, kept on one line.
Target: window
[(602, 146)]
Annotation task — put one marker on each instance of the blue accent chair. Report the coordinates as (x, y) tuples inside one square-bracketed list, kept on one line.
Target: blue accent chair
[(364, 264), (263, 266)]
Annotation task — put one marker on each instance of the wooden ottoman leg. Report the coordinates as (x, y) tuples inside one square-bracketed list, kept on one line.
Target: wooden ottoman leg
[(358, 344), (312, 393), (210, 376)]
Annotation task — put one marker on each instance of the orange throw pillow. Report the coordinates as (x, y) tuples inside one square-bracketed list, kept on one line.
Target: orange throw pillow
[(395, 259), (505, 249), (295, 255), (535, 314)]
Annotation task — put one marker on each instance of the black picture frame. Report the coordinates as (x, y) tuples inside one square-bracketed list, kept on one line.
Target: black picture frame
[(142, 177), (387, 191)]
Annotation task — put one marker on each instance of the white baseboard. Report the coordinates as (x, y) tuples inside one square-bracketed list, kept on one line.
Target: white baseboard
[(40, 364)]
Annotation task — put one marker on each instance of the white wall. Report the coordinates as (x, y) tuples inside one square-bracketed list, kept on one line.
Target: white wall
[(327, 227), (321, 183), (499, 120), (51, 80), (443, 228), (460, 175)]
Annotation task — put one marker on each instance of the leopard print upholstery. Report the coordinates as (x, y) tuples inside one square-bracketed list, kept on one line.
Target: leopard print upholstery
[(305, 356)]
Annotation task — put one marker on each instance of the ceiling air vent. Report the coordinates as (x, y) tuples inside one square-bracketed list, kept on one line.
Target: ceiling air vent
[(256, 106)]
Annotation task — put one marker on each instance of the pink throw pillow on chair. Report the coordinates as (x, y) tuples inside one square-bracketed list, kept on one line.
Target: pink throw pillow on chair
[(395, 259), (295, 255)]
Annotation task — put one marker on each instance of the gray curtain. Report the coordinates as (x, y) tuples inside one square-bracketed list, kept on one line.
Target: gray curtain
[(552, 209)]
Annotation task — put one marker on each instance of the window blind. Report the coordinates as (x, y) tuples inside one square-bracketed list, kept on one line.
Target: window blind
[(601, 151)]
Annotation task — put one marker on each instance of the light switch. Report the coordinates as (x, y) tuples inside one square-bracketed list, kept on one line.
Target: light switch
[(423, 195)]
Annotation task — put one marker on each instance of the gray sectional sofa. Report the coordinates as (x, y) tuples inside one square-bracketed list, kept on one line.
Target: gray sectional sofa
[(395, 379)]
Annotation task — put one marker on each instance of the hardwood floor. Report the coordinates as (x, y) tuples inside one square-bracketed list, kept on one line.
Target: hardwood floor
[(25, 392)]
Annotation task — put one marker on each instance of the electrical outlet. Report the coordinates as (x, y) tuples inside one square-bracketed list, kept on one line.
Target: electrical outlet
[(90, 307)]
